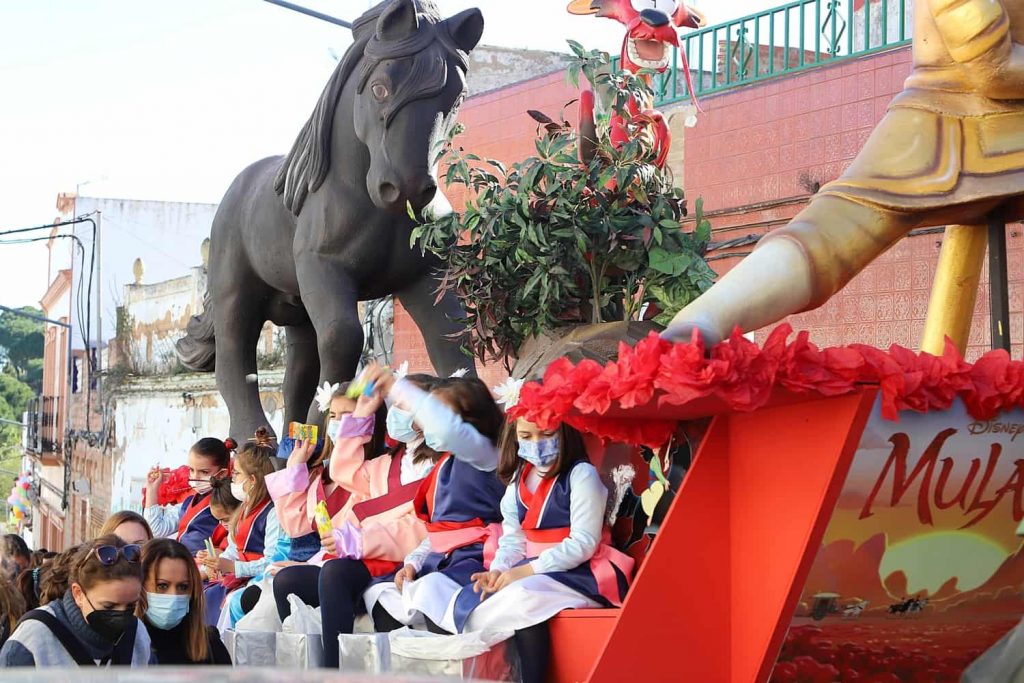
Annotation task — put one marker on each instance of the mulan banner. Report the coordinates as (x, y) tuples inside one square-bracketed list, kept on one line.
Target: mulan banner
[(921, 568)]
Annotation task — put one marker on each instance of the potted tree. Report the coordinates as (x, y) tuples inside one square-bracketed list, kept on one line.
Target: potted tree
[(556, 254)]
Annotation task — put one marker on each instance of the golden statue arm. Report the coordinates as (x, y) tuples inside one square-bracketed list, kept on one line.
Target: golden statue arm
[(977, 34)]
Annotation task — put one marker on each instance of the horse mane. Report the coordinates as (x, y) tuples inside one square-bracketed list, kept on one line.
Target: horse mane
[(305, 168)]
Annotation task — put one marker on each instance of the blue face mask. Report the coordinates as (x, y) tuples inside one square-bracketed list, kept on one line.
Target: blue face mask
[(166, 611), (400, 425), (540, 453)]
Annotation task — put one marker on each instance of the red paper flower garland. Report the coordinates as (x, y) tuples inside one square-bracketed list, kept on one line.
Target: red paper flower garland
[(742, 376)]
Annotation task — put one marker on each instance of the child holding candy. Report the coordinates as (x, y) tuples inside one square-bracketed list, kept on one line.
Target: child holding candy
[(191, 522), (375, 526), (254, 530)]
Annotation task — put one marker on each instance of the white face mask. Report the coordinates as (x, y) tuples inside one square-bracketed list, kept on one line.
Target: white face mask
[(238, 491), (334, 430)]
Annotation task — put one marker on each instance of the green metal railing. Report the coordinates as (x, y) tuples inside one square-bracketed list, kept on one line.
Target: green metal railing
[(783, 40)]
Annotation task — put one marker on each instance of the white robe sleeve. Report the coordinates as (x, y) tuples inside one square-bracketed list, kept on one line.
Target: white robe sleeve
[(418, 556), (512, 544), (586, 522), (163, 520), (449, 432)]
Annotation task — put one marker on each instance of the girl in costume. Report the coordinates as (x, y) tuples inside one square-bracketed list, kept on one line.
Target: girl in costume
[(223, 506), (174, 608), (458, 502), (295, 510), (254, 530), (375, 526), (191, 522), (94, 621), (554, 552)]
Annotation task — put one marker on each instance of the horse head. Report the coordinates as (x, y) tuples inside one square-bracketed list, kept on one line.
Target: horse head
[(651, 28), (411, 82)]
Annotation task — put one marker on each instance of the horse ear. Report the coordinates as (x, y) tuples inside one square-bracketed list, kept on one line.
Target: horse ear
[(397, 21), (466, 28)]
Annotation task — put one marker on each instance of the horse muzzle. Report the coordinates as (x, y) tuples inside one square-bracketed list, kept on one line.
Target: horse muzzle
[(392, 197)]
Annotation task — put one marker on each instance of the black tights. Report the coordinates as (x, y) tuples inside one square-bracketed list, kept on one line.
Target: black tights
[(336, 588), (383, 622), (534, 647)]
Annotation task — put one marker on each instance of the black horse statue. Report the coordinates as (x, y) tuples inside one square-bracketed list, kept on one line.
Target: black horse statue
[(300, 240)]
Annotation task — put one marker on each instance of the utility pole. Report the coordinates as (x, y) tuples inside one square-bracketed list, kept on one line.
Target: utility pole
[(311, 13), (99, 310)]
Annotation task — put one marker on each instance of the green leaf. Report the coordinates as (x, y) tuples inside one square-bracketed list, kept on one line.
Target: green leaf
[(664, 261)]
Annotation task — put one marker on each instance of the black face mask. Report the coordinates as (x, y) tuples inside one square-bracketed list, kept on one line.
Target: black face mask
[(109, 623)]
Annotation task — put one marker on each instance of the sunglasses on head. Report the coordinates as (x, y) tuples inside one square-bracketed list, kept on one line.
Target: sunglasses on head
[(108, 554)]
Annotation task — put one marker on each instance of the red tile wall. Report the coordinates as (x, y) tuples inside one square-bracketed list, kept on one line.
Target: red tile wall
[(755, 145)]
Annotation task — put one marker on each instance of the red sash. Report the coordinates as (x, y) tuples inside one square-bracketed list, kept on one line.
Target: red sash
[(447, 536), (605, 558), (397, 495), (192, 511), (219, 537), (244, 529)]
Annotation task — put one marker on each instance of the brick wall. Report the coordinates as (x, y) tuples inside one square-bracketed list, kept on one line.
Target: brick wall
[(497, 127)]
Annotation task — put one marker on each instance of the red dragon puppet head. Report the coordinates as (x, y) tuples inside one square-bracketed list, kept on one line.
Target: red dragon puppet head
[(651, 28)]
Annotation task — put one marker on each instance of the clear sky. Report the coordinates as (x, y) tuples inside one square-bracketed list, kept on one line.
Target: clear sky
[(170, 100)]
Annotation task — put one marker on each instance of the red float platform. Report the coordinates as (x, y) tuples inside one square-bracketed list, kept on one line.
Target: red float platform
[(714, 596)]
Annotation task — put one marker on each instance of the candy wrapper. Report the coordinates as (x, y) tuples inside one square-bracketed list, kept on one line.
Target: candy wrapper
[(301, 432), (323, 519)]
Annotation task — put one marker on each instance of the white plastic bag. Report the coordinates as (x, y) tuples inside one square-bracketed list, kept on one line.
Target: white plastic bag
[(406, 642), (368, 653), (263, 616), (303, 619), (249, 648), (299, 651)]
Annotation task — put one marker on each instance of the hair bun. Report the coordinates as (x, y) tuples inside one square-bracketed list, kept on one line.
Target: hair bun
[(230, 444), (262, 437)]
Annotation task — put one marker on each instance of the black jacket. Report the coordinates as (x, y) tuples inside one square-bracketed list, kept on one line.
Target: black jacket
[(169, 647)]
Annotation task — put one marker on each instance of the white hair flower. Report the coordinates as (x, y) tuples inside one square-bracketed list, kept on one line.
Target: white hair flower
[(507, 393), (402, 370), (461, 372), (324, 394)]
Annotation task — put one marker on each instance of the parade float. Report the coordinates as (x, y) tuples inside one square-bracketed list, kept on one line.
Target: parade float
[(799, 513)]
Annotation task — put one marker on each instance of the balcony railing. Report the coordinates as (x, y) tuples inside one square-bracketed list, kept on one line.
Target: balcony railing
[(783, 40), (44, 432)]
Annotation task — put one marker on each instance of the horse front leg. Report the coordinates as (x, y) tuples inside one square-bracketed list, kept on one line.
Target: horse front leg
[(330, 298), (237, 325), (302, 371), (444, 336)]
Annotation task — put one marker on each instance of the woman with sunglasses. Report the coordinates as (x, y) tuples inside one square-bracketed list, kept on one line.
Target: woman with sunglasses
[(94, 623), (175, 607)]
